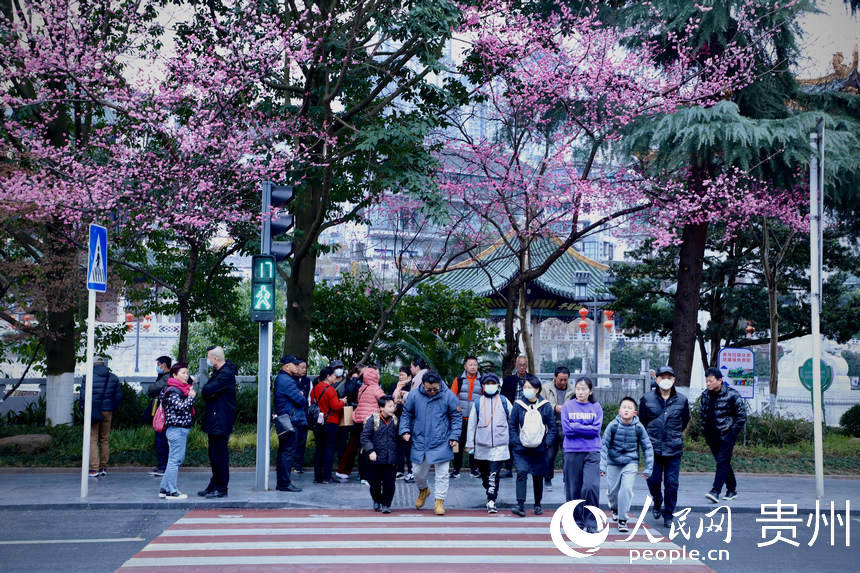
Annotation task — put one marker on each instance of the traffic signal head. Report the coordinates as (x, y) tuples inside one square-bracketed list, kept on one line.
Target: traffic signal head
[(262, 288), (276, 225)]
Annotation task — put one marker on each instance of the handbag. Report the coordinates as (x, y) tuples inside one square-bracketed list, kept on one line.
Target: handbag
[(158, 420), (283, 424), (347, 416)]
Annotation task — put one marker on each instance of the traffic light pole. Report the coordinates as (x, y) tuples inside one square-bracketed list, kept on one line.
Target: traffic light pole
[(264, 366)]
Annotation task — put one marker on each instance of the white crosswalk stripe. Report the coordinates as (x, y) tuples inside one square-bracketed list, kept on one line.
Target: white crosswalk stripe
[(296, 540)]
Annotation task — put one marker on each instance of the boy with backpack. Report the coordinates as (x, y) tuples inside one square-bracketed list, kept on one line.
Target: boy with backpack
[(379, 443), (532, 430), (487, 435), (619, 459)]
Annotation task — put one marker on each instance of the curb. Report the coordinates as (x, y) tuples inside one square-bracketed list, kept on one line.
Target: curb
[(110, 505)]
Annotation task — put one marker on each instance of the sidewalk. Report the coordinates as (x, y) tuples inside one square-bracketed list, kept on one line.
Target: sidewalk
[(132, 488)]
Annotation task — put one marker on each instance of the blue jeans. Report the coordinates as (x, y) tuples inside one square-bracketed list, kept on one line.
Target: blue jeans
[(286, 458), (176, 438), (667, 470), (582, 481), (301, 444)]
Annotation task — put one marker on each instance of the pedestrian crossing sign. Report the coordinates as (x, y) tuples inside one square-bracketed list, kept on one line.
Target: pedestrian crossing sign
[(97, 259), (263, 288)]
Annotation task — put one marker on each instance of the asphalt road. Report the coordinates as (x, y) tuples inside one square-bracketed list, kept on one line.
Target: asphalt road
[(77, 540), (102, 540), (745, 555)]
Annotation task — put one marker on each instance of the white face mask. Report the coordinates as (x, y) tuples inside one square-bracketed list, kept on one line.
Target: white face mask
[(529, 394), (665, 383), (491, 389), (209, 362), (338, 372)]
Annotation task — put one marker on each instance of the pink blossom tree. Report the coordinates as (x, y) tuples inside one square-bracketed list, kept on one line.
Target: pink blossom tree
[(558, 93)]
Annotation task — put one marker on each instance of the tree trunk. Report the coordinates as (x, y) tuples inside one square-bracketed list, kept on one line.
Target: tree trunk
[(772, 295), (300, 304), (687, 301), (182, 351), (525, 328), (512, 349)]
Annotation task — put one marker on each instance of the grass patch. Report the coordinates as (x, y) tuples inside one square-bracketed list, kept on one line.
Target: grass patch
[(134, 446)]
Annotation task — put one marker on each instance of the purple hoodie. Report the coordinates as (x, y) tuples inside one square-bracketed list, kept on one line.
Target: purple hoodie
[(581, 424)]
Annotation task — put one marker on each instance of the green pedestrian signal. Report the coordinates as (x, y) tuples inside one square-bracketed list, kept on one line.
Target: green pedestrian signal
[(263, 288)]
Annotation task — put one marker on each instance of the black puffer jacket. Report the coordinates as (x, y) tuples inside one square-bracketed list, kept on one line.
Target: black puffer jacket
[(383, 440), (665, 421), (729, 412), (106, 390), (220, 395)]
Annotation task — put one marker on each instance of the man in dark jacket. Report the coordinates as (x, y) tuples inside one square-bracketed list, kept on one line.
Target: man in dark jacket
[(106, 396), (665, 414), (302, 433), (722, 415), (288, 399), (162, 368), (512, 389), (220, 396)]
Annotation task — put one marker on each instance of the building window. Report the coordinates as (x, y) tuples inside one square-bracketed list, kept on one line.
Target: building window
[(608, 251), (580, 290), (591, 250)]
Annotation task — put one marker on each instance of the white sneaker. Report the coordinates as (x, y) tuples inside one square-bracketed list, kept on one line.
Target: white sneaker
[(365, 482), (491, 507), (175, 495), (613, 517), (339, 475)]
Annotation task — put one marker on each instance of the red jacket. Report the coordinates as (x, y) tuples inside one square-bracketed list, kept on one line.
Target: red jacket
[(330, 405)]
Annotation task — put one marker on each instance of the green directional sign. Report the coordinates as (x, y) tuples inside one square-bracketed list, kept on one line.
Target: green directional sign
[(263, 288), (805, 374)]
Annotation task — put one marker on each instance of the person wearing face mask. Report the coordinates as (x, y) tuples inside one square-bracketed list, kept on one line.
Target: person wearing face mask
[(304, 383), (665, 414), (722, 416), (532, 429), (512, 389), (162, 369), (487, 435), (401, 392)]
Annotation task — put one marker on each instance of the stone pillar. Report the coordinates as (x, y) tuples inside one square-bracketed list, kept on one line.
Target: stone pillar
[(604, 352), (59, 393)]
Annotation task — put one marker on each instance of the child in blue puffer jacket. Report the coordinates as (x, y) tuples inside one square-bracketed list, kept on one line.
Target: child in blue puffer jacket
[(619, 459)]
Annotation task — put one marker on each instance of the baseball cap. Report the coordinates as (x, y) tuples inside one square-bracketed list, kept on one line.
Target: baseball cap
[(665, 370), (290, 359)]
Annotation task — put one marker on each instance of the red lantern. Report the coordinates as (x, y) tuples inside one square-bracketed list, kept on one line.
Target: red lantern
[(583, 312), (608, 325), (129, 317), (750, 329), (582, 324), (609, 314)]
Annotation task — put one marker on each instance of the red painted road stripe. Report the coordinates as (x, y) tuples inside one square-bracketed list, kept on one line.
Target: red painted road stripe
[(421, 568), (373, 551), (306, 513)]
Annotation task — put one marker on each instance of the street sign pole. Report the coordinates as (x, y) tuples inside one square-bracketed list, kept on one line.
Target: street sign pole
[(96, 282), (816, 184), (88, 395), (264, 366)]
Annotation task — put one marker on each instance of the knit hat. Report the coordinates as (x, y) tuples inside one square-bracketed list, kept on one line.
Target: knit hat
[(489, 378), (370, 376)]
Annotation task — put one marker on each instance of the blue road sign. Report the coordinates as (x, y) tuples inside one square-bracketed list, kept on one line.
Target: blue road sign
[(97, 259)]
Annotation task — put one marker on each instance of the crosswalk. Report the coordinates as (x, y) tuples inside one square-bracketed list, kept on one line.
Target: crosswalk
[(357, 540)]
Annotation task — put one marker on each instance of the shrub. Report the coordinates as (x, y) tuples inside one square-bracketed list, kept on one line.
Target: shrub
[(850, 421), (33, 415)]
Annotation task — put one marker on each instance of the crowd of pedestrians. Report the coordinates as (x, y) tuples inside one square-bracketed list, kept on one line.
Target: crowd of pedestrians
[(517, 423)]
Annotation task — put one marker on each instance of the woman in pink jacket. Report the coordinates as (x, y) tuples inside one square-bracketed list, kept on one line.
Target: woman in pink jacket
[(368, 395)]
